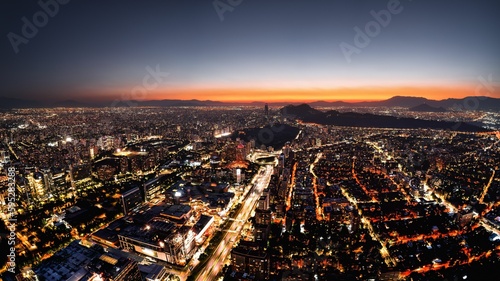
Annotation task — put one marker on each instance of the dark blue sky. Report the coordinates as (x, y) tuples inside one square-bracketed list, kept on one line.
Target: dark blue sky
[(102, 48)]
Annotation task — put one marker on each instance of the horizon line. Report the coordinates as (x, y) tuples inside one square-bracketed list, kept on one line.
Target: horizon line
[(243, 102), (251, 95)]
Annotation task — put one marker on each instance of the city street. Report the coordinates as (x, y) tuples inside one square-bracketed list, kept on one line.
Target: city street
[(215, 263)]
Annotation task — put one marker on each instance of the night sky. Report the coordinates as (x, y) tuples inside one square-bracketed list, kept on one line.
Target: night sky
[(265, 50)]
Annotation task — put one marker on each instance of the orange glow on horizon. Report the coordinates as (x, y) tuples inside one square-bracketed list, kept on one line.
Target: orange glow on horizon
[(309, 95), (248, 95)]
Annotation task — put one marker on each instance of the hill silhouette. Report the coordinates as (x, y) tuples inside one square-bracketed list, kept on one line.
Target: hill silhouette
[(427, 108), (352, 119)]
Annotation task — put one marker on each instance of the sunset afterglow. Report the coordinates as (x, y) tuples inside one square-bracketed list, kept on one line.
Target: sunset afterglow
[(305, 95), (260, 51), (229, 140)]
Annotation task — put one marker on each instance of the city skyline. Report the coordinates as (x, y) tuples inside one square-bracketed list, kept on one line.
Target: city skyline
[(250, 140), (249, 50), (250, 193)]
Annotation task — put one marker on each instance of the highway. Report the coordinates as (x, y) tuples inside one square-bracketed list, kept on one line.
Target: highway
[(216, 261)]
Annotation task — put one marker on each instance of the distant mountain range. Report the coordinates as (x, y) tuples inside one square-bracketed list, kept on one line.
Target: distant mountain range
[(306, 113), (469, 103), (9, 103)]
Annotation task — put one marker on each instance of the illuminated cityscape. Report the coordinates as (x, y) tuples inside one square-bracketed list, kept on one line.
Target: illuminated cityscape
[(181, 194), (250, 140)]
